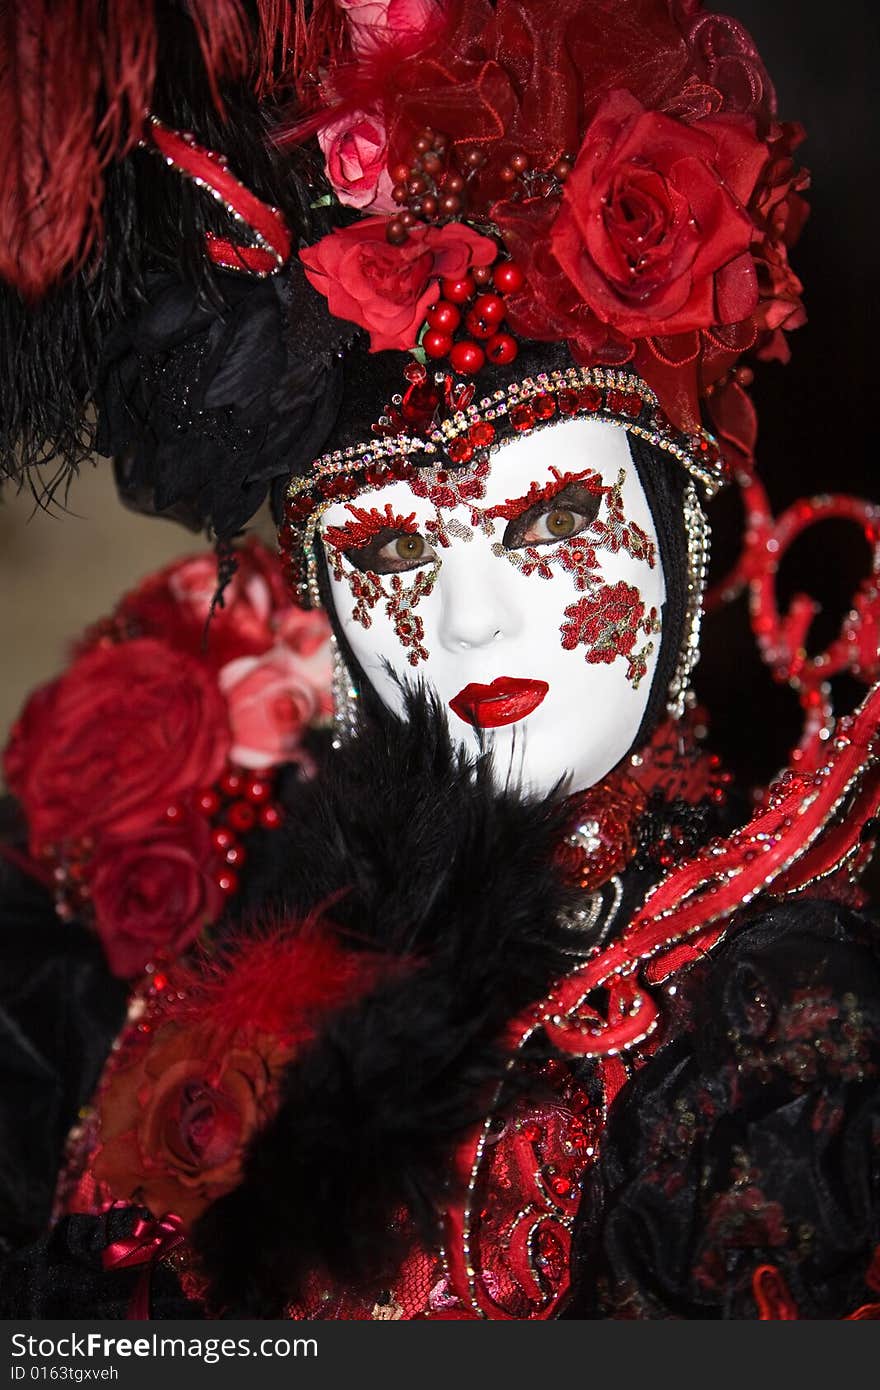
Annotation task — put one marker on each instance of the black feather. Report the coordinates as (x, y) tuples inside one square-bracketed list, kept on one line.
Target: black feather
[(440, 869)]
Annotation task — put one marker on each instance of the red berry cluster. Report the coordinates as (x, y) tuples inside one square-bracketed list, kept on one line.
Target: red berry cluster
[(429, 187), (476, 303), (236, 804)]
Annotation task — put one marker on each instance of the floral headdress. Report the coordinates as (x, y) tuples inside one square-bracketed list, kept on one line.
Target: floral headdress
[(608, 173), (576, 210)]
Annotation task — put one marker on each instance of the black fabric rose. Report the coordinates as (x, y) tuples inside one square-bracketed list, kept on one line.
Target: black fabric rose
[(206, 403)]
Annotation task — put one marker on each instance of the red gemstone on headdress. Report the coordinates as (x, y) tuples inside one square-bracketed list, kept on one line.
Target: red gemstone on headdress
[(567, 402), (482, 434), (460, 450), (632, 403), (589, 398), (522, 416), (544, 407), (419, 402)]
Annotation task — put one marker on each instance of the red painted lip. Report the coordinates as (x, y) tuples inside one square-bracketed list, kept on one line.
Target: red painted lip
[(503, 702)]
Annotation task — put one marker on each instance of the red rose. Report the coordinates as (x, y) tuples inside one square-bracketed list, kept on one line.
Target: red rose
[(273, 698), (175, 604), (174, 1126), (652, 231), (153, 894), (115, 740), (355, 150), (388, 289)]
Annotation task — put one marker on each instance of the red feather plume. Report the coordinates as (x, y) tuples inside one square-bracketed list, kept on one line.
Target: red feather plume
[(76, 85)]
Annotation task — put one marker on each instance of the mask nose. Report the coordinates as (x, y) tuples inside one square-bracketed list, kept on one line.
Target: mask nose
[(476, 611)]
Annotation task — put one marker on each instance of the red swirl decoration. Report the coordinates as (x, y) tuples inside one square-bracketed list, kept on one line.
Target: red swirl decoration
[(268, 247), (782, 637)]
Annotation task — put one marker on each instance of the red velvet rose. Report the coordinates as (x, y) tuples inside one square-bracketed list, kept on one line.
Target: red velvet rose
[(153, 894), (174, 1126), (388, 289), (115, 740), (653, 231), (175, 604)]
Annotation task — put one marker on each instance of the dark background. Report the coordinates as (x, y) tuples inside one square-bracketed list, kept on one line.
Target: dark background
[(815, 413)]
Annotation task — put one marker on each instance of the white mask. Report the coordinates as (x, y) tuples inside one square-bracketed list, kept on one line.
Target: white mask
[(502, 574)]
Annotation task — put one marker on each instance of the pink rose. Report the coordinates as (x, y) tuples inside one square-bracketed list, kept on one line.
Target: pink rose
[(175, 604), (273, 699), (355, 150), (372, 23), (388, 289)]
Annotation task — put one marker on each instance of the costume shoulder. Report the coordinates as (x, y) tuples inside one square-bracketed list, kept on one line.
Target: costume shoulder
[(739, 1173)]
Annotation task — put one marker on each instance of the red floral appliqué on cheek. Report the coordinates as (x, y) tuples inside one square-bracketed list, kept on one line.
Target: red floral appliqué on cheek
[(367, 525), (608, 623)]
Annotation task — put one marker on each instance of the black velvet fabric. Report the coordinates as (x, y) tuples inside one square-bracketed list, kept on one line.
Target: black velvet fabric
[(63, 1276), (60, 1009), (752, 1138)]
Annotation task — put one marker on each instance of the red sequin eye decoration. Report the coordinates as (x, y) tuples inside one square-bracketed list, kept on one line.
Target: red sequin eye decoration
[(366, 525), (513, 508)]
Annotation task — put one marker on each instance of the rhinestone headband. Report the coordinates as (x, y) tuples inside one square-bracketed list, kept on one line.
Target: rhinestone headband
[(414, 432)]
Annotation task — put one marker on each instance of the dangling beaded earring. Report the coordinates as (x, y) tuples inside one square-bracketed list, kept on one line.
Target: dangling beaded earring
[(345, 698)]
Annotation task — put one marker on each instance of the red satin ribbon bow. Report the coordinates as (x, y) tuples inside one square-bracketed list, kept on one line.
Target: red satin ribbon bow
[(149, 1241)]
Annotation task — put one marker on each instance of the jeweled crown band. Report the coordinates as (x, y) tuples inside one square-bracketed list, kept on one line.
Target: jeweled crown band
[(436, 422)]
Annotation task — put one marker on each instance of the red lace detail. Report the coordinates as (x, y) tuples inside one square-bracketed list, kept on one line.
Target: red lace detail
[(608, 623)]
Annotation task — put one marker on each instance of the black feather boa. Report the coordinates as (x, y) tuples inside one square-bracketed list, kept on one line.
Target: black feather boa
[(433, 866)]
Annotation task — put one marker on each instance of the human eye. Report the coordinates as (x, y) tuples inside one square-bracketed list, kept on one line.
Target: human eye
[(556, 518), (380, 542), (392, 552)]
